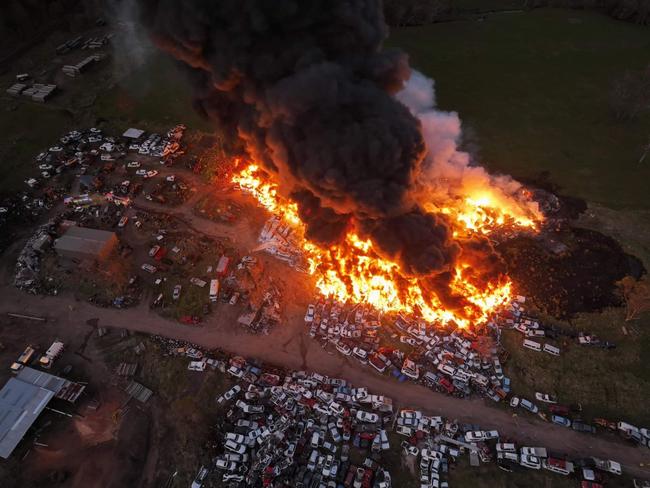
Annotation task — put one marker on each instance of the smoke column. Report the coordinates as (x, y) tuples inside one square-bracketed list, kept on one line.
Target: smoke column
[(346, 128)]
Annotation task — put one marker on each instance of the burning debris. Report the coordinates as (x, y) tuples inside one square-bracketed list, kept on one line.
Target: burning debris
[(351, 151)]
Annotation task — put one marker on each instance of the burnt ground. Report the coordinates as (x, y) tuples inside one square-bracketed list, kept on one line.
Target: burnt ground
[(570, 271)]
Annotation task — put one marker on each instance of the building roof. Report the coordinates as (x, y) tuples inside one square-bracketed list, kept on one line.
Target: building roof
[(22, 400), (84, 240), (133, 133), (138, 391)]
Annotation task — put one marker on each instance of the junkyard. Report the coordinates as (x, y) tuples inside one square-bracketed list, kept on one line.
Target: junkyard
[(243, 245)]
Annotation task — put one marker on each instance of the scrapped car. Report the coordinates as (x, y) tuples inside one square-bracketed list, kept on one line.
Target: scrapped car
[(367, 417), (559, 420), (527, 405)]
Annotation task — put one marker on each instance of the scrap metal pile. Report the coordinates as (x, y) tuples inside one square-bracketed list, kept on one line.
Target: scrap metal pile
[(295, 428)]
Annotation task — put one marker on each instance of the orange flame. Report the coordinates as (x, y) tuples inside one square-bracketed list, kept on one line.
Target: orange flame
[(353, 271)]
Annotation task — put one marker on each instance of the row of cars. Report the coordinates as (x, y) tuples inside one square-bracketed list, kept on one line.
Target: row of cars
[(304, 429), (446, 360)]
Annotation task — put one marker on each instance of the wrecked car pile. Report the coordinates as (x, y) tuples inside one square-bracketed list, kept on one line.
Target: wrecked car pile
[(295, 428), (456, 361)]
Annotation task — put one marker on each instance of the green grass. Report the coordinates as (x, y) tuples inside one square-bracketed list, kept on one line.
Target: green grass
[(27, 128), (533, 88), (612, 384), (155, 96)]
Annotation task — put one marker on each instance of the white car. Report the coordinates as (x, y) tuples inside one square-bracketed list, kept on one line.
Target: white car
[(506, 447), (367, 417), (474, 436), (343, 348), (141, 172), (133, 164), (177, 292), (171, 178), (238, 438), (151, 174), (430, 454), (149, 268), (229, 395), (360, 354), (234, 447), (237, 478), (415, 414), (514, 402), (309, 316), (528, 405), (545, 397), (531, 462)]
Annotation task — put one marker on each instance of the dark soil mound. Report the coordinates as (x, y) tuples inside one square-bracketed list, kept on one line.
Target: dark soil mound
[(575, 271)]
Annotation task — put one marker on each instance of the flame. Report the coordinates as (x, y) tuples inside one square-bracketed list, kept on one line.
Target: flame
[(352, 271)]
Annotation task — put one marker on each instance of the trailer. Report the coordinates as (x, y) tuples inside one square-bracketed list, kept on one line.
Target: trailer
[(222, 265), (54, 351), (214, 290)]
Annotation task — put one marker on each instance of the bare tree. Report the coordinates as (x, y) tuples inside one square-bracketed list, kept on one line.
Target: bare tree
[(637, 296)]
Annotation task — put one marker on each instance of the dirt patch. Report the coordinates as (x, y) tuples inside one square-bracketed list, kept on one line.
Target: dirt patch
[(573, 271)]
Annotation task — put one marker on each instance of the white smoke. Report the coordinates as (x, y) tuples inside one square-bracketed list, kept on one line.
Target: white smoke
[(447, 172)]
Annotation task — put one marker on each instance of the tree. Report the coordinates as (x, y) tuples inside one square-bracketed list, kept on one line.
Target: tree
[(637, 296)]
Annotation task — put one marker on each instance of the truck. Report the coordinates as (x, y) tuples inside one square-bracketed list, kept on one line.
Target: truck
[(222, 265), (53, 352), (27, 355), (214, 290), (607, 465)]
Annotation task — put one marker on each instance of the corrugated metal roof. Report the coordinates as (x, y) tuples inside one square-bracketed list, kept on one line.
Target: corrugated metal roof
[(84, 240), (23, 399), (133, 133), (20, 404)]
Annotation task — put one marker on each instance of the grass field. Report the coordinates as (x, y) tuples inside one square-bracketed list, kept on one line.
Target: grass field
[(613, 384), (155, 96), (533, 88)]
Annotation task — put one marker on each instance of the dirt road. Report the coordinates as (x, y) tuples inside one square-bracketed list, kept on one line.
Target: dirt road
[(291, 347)]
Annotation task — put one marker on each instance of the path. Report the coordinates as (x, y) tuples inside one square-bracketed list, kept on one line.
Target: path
[(290, 347)]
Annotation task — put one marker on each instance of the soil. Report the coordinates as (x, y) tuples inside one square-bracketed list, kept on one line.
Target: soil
[(569, 272)]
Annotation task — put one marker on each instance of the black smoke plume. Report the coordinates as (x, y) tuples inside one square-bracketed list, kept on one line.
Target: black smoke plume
[(308, 88)]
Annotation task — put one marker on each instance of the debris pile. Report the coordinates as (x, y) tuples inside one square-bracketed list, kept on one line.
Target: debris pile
[(29, 261), (276, 239)]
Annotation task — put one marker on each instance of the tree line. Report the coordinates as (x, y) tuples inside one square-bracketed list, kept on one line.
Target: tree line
[(420, 12)]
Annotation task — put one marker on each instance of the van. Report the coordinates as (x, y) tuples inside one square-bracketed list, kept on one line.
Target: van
[(535, 346), (311, 465), (552, 350), (314, 439)]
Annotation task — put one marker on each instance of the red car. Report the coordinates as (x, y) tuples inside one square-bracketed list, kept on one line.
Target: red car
[(447, 385), (559, 410), (189, 320)]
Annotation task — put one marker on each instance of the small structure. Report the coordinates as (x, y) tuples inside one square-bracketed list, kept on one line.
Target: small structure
[(74, 70), (132, 133), (24, 398), (139, 391), (39, 92), (85, 243)]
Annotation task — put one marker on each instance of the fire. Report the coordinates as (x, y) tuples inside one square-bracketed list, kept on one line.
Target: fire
[(353, 271), (484, 213)]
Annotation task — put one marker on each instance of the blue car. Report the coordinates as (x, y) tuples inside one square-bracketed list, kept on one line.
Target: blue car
[(559, 420)]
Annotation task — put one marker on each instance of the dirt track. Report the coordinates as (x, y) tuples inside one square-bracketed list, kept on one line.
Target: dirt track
[(291, 347)]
